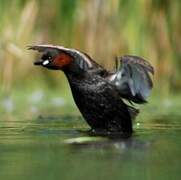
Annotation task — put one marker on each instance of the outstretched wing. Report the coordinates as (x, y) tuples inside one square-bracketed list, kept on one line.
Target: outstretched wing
[(132, 78)]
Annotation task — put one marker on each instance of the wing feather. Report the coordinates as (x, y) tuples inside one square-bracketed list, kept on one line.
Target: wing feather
[(132, 78)]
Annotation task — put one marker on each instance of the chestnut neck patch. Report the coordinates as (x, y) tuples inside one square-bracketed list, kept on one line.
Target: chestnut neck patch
[(62, 60)]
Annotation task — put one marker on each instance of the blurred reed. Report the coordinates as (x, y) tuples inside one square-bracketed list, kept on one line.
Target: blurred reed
[(102, 28)]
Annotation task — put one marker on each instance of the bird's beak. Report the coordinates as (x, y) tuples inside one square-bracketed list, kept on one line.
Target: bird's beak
[(38, 62)]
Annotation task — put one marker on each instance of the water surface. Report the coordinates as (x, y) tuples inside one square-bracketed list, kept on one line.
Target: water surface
[(52, 147)]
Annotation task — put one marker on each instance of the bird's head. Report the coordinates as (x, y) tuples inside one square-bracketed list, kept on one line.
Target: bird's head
[(54, 59), (59, 57)]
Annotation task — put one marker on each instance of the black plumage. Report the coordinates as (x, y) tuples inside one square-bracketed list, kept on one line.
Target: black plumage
[(97, 92)]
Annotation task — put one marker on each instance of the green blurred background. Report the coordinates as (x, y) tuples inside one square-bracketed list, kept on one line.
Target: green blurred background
[(38, 116), (102, 28)]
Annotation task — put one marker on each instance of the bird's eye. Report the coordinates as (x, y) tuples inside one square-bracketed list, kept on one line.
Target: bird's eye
[(49, 57)]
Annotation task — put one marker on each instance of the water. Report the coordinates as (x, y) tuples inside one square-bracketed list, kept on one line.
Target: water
[(52, 147)]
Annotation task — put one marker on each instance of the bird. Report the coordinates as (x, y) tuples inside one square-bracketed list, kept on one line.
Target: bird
[(105, 98)]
